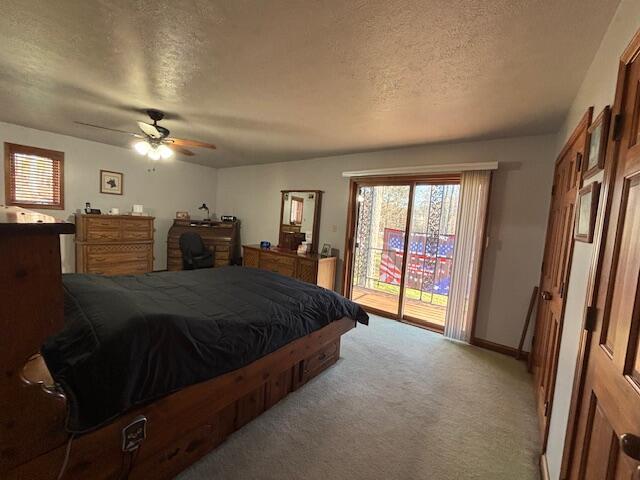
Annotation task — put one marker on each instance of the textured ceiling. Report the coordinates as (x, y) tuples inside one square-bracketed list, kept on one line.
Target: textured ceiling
[(284, 79)]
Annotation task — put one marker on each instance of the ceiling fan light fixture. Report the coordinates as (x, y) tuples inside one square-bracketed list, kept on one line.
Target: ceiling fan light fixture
[(154, 141), (142, 147), (154, 154), (165, 152)]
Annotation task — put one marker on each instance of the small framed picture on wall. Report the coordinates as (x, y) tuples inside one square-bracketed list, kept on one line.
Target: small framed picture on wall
[(111, 182), (586, 212), (598, 135)]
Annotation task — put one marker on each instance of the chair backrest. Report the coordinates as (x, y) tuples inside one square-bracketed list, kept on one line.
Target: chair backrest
[(191, 244)]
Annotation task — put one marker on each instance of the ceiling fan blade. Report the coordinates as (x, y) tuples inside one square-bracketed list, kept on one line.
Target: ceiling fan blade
[(150, 130), (183, 151), (181, 142), (110, 129)]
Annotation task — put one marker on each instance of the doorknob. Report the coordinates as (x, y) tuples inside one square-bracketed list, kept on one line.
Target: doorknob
[(630, 445), (546, 295)]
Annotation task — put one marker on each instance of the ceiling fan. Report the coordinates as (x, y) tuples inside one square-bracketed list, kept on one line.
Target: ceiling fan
[(154, 141)]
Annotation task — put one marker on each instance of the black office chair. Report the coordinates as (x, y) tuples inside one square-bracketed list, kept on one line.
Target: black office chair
[(194, 253)]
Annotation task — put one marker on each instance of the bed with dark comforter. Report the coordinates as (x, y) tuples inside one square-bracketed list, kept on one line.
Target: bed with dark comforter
[(129, 340)]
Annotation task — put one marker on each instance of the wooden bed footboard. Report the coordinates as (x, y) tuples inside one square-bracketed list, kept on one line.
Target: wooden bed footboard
[(180, 428)]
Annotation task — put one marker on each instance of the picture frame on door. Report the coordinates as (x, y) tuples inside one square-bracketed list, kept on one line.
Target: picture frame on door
[(597, 145), (586, 211)]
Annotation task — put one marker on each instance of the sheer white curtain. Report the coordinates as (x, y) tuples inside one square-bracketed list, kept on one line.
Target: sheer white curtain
[(472, 212)]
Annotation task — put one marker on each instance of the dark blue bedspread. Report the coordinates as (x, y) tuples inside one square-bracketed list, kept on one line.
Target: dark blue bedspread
[(129, 340)]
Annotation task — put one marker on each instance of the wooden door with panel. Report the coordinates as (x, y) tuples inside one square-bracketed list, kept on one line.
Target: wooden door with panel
[(607, 442), (555, 269)]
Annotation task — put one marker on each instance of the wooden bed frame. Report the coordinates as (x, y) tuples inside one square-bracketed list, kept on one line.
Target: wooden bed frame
[(180, 428)]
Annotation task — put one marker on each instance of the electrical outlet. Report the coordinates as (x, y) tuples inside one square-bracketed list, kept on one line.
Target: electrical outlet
[(134, 433), (334, 228)]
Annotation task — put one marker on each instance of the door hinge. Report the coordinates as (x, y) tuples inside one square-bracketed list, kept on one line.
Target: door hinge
[(618, 126), (590, 318), (578, 162), (563, 286), (546, 408), (553, 190)]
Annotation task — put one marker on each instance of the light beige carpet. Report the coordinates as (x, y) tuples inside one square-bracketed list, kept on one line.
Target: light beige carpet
[(402, 403)]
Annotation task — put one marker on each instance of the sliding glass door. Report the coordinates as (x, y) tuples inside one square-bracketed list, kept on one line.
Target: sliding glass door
[(402, 247), (431, 244), (379, 247)]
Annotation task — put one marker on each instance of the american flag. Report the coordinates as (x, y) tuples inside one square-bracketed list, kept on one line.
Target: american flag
[(391, 261), (428, 265)]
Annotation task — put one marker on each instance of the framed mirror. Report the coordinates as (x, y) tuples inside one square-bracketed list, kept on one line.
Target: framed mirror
[(299, 219)]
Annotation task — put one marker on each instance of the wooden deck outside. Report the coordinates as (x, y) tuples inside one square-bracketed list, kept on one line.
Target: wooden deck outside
[(389, 303)]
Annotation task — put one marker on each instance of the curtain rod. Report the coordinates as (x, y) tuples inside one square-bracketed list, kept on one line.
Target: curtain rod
[(444, 168)]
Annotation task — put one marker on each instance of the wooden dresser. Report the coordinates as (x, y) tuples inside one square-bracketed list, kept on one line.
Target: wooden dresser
[(114, 244), (310, 268), (221, 238)]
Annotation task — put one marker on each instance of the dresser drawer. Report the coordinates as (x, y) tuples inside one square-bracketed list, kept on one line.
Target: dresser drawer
[(222, 255), (137, 234), (123, 248), (102, 223), (129, 268), (136, 224), (98, 260), (103, 235), (281, 265), (118, 259), (283, 261)]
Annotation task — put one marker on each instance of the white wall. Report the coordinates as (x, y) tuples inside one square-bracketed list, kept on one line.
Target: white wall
[(598, 89), (174, 186), (517, 220)]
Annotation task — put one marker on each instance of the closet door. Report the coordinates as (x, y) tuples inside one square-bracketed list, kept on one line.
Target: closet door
[(607, 441), (555, 270)]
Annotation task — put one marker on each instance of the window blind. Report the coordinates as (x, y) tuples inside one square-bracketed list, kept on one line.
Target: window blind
[(34, 177)]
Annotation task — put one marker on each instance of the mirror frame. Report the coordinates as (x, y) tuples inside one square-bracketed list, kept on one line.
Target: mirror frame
[(316, 217)]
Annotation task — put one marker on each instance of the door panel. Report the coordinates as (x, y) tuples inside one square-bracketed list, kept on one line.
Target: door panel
[(379, 247), (626, 279), (432, 238), (610, 404), (602, 445), (556, 265)]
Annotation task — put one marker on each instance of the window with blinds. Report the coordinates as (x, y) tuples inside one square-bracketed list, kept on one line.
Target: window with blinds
[(34, 177)]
